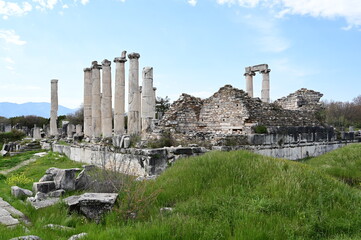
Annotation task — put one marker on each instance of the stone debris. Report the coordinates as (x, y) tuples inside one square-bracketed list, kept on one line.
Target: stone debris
[(44, 187), (37, 204), (20, 192), (77, 236), (8, 214), (58, 227), (29, 237), (92, 205)]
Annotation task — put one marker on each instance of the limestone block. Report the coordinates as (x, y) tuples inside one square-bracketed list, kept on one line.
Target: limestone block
[(78, 236), (30, 237), (44, 187), (20, 192), (57, 193), (65, 179)]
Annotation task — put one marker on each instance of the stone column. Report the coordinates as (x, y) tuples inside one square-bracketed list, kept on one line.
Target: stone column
[(96, 100), (107, 115), (133, 95), (119, 98), (249, 83), (147, 99), (88, 102), (154, 101), (265, 96), (54, 108)]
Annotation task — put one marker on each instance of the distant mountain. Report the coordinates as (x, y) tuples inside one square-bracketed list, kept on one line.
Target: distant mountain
[(41, 109)]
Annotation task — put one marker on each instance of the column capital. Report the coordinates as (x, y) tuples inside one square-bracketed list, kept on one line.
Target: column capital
[(133, 55), (120, 59), (106, 63), (95, 65), (249, 74), (54, 80), (265, 71), (147, 72), (87, 69), (154, 89)]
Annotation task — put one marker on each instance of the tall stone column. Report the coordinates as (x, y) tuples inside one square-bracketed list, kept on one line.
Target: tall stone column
[(147, 99), (106, 100), (88, 102), (265, 95), (96, 100), (154, 101), (133, 95), (119, 92), (249, 83), (54, 108)]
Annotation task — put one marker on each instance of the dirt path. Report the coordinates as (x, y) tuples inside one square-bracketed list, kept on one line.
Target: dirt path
[(36, 156)]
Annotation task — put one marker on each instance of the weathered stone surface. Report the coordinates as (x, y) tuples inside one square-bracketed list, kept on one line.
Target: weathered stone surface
[(87, 103), (58, 227), (7, 214), (119, 94), (92, 205), (303, 100), (84, 179), (134, 107), (57, 193), (65, 179), (20, 192), (106, 100), (29, 237), (148, 101), (44, 203), (78, 236), (96, 100), (44, 187)]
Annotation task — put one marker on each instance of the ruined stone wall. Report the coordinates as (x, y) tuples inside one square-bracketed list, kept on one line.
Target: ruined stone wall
[(231, 110), (303, 100), (183, 114), (225, 111)]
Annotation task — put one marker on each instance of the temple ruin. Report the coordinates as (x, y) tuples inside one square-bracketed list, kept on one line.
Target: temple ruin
[(250, 72)]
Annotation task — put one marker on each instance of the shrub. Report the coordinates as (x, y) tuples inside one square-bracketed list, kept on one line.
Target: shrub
[(18, 180), (14, 135), (166, 140), (260, 129)]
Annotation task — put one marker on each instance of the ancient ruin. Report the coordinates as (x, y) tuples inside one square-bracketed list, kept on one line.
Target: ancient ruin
[(54, 108), (250, 72), (119, 94)]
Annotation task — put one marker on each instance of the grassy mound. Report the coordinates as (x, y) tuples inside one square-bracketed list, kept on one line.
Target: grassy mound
[(232, 195), (344, 164)]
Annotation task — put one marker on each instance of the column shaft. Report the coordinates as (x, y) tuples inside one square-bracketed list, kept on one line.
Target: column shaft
[(249, 83), (147, 99), (96, 100), (265, 94), (106, 100), (119, 98), (133, 95), (54, 108), (88, 102)]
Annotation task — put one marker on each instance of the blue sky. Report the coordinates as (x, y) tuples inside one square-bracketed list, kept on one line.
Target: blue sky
[(194, 46)]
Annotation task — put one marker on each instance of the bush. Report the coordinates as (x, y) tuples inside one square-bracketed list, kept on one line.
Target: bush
[(14, 135), (18, 180), (166, 140), (260, 129)]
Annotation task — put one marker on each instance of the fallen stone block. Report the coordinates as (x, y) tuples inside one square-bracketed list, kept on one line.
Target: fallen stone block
[(57, 227), (65, 179), (77, 236), (42, 204), (92, 205), (30, 237), (20, 192), (57, 193), (44, 187)]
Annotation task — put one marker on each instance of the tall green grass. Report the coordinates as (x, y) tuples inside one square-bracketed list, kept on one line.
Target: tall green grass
[(233, 195)]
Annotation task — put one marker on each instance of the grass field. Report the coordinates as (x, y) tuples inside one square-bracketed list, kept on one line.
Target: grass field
[(220, 195)]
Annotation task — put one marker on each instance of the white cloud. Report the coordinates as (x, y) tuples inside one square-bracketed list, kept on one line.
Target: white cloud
[(348, 9), (192, 2), (65, 6), (9, 60), (10, 68), (45, 4), (11, 37), (14, 9)]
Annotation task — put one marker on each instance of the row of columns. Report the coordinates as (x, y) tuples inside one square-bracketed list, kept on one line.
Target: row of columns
[(265, 93), (98, 106)]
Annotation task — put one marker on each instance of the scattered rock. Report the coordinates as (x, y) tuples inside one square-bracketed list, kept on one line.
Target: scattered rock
[(57, 227), (65, 179), (166, 210), (92, 205), (43, 203), (44, 187), (7, 212), (20, 192), (78, 236), (30, 237), (41, 154), (57, 193)]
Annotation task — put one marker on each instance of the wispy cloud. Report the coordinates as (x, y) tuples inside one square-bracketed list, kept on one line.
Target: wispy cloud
[(269, 37), (10, 36), (192, 2), (9, 60), (45, 4), (14, 9), (350, 10)]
